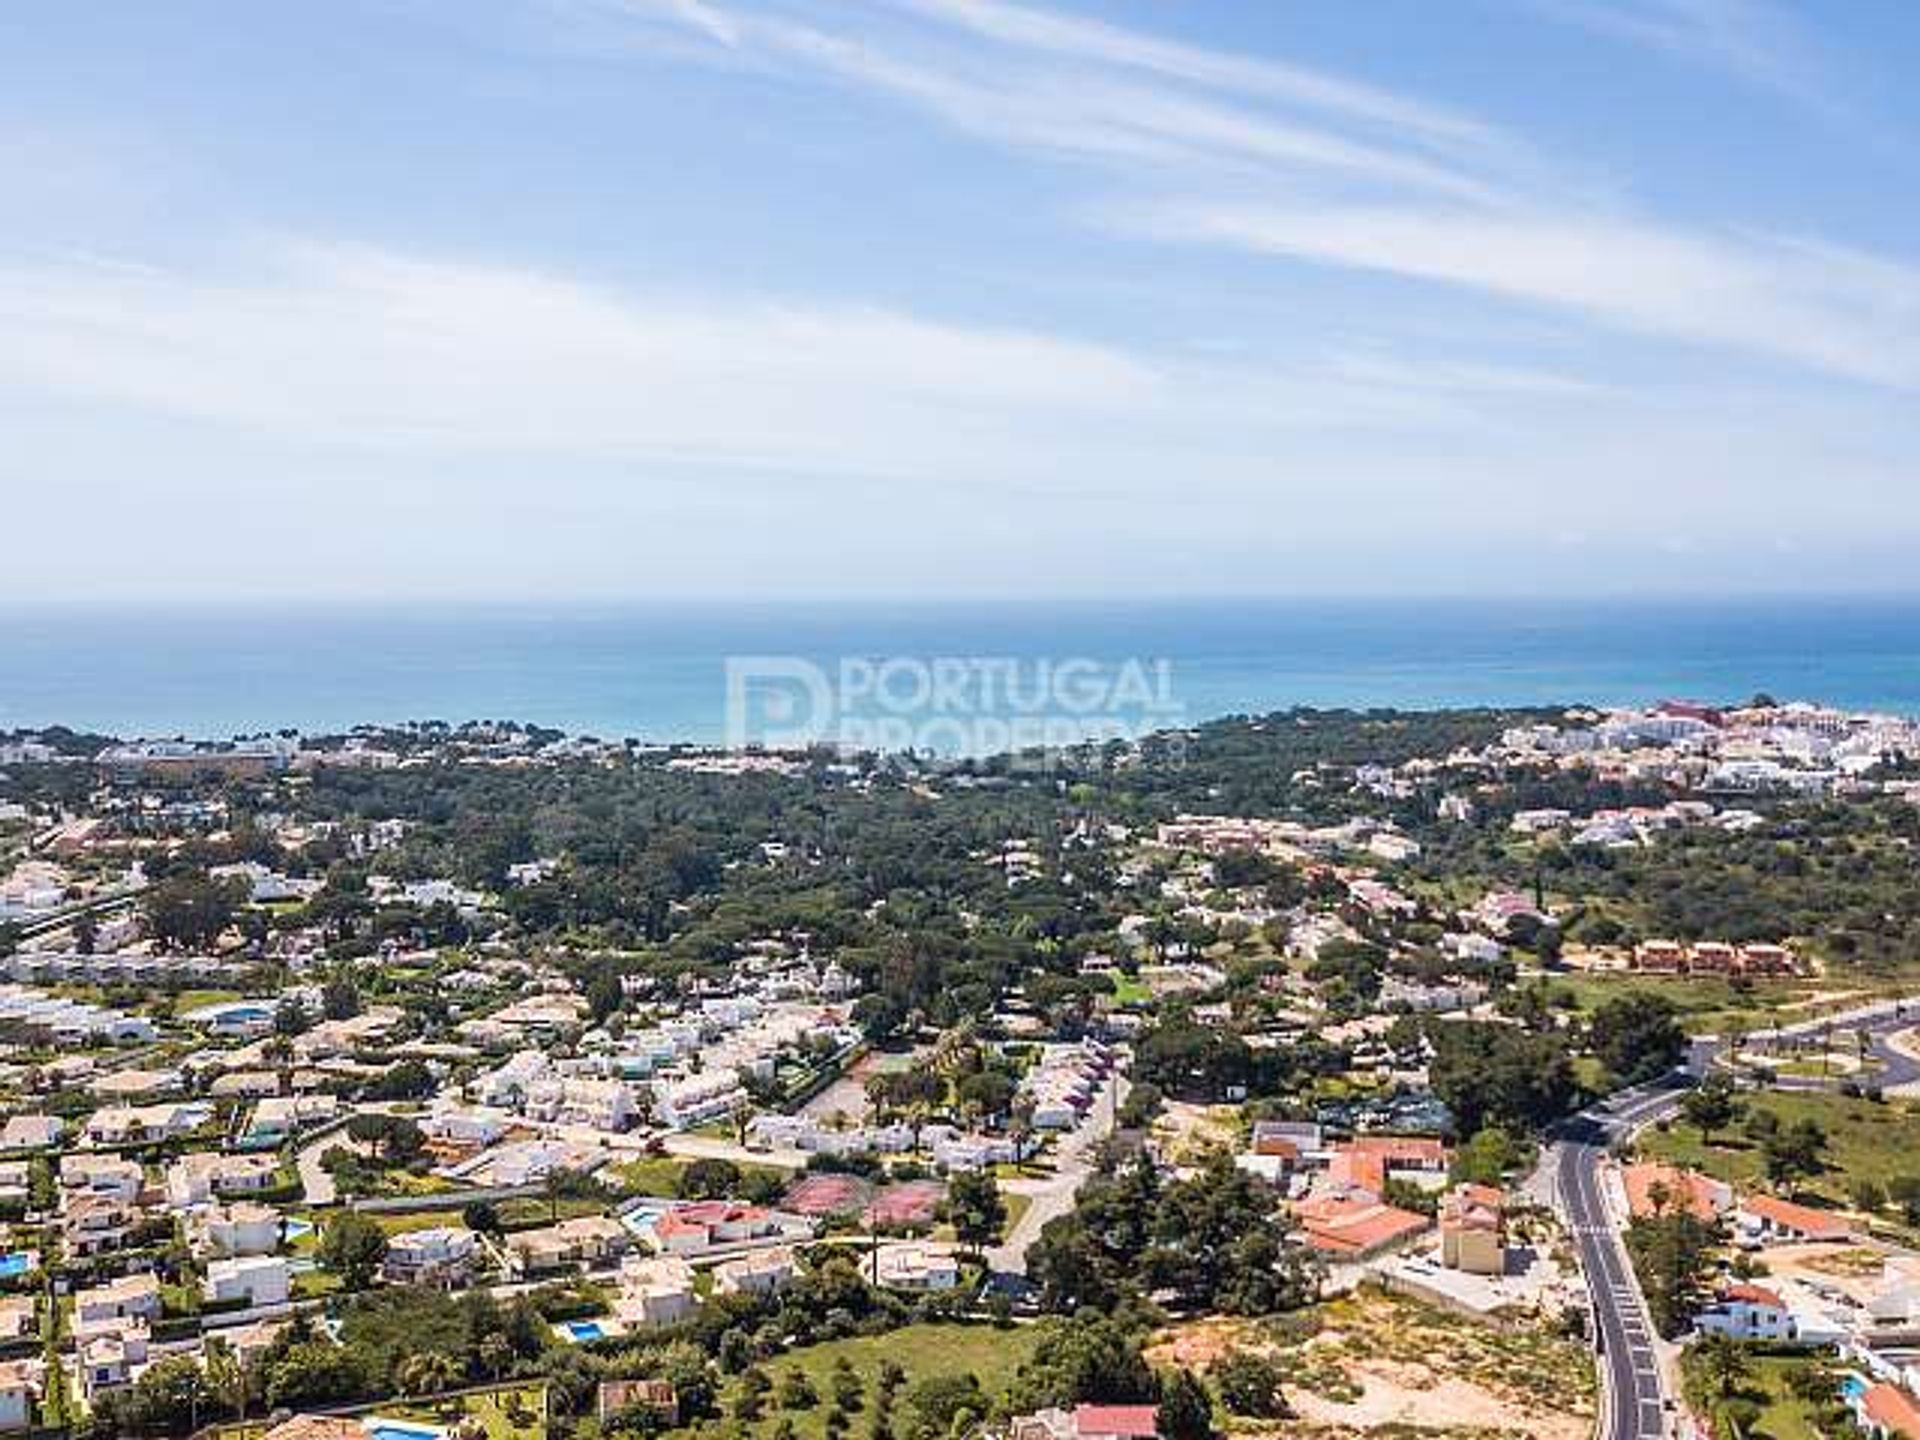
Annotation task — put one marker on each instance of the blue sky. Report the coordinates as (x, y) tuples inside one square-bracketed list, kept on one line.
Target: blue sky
[(593, 298)]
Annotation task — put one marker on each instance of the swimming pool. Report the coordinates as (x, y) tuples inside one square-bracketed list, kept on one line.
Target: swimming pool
[(584, 1330), (641, 1219), (294, 1229), (380, 1429), (1852, 1387), (17, 1263)]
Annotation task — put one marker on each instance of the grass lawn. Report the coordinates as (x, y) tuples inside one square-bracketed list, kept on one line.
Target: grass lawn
[(190, 1000), (402, 1224), (491, 1410), (533, 1213), (1865, 1141), (990, 1354), (1130, 990), (660, 1174), (1707, 1004), (1017, 1205), (1782, 1417)]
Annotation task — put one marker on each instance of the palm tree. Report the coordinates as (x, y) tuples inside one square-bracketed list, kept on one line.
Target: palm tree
[(495, 1355), (228, 1377), (879, 1094), (427, 1373)]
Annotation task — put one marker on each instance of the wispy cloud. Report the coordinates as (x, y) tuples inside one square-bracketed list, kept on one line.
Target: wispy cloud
[(1202, 146), (1753, 40), (1850, 316), (1096, 42)]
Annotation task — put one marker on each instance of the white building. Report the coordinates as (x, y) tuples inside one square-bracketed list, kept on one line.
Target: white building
[(257, 1279)]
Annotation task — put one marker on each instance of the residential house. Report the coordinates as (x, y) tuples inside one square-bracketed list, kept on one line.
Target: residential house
[(242, 1228), (131, 1297), (916, 1267), (1088, 1422), (21, 1384), (618, 1396), (106, 1359), (759, 1273), (1472, 1236), (1767, 1219), (116, 1126), (1887, 1412), (441, 1255), (1652, 1185), (655, 1290), (206, 1175), (589, 1241), (256, 1279), (1747, 1312), (1355, 1227)]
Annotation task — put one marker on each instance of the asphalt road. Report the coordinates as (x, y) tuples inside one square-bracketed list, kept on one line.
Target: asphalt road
[(1054, 1195), (1633, 1393), (1634, 1397)]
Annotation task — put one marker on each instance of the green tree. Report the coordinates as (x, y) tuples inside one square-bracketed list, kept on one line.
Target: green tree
[(1638, 1036), (1186, 1410), (1085, 1358), (1793, 1152), (352, 1247), (1711, 1106), (1250, 1384), (427, 1373), (796, 1391), (849, 1393), (1672, 1250), (975, 1209), (1723, 1364), (709, 1178), (938, 1403)]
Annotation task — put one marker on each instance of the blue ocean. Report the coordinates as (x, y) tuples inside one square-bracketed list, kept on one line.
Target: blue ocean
[(657, 672)]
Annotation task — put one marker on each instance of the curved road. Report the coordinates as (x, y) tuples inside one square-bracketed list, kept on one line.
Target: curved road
[(1634, 1399)]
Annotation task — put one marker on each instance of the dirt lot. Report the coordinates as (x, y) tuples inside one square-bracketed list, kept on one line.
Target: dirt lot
[(1184, 1130), (1374, 1364)]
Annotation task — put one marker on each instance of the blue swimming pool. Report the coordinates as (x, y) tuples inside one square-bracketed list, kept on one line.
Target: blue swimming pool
[(1852, 1387), (19, 1262), (585, 1330), (641, 1219), (296, 1228), (401, 1430)]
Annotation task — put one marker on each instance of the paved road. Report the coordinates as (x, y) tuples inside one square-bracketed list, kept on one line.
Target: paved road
[(1053, 1196), (1634, 1396), (1633, 1391)]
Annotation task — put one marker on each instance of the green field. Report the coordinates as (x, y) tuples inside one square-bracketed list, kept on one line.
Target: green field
[(989, 1353), (1708, 1005), (1865, 1141), (660, 1174)]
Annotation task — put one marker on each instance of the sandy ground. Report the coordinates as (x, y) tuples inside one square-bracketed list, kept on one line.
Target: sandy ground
[(1855, 1270), (1392, 1393), (1184, 1130), (1410, 1395)]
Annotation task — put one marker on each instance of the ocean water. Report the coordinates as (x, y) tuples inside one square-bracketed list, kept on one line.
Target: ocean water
[(658, 672)]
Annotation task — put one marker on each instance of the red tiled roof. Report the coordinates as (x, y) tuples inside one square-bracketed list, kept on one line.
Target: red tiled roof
[(1684, 1187), (1891, 1407), (1753, 1295), (1396, 1150), (1340, 1226), (1134, 1421), (1789, 1216)]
